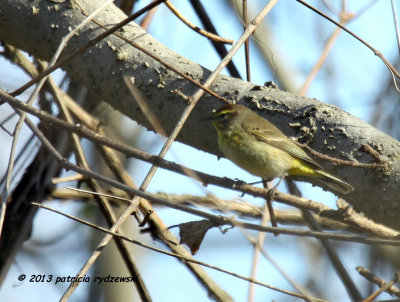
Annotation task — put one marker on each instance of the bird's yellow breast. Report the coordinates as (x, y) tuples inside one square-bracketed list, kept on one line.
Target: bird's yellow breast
[(256, 157)]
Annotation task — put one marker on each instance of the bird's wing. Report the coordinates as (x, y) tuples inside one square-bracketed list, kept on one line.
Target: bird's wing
[(266, 132)]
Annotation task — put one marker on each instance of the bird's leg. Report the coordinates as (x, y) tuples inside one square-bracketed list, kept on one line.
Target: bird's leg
[(271, 192), (268, 199)]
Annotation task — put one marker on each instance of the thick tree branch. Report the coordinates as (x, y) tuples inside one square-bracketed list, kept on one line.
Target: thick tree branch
[(39, 26)]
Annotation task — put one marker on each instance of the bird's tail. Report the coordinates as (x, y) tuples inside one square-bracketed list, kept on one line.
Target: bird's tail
[(333, 182)]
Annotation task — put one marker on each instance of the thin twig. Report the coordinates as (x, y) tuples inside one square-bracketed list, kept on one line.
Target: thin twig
[(375, 51), (200, 31), (383, 288), (151, 117), (28, 150), (112, 160), (341, 161), (16, 56), (340, 269), (5, 120), (205, 178), (169, 66), (156, 223), (344, 19), (103, 202), (146, 21), (329, 249), (209, 26), (144, 107), (11, 160), (371, 277), (258, 243), (268, 215), (396, 25), (180, 257), (4, 195), (295, 285), (360, 221), (196, 96), (246, 49), (75, 177), (90, 43), (243, 209), (217, 219)]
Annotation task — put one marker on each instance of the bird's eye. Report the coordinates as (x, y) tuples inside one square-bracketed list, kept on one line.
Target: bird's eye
[(222, 116)]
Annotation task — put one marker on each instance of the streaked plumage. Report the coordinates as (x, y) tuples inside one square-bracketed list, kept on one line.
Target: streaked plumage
[(259, 147)]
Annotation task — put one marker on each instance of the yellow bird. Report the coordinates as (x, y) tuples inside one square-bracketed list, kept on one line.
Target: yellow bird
[(260, 148)]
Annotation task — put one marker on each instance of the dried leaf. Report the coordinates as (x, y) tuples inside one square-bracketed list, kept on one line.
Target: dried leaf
[(192, 233)]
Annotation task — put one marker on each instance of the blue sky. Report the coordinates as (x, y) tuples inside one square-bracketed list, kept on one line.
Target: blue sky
[(351, 80)]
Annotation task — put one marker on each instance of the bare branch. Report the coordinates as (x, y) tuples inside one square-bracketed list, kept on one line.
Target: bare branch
[(331, 131)]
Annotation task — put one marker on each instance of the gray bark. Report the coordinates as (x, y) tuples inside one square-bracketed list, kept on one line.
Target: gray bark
[(38, 26)]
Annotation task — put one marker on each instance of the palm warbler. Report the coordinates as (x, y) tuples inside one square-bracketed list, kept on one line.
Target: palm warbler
[(257, 146)]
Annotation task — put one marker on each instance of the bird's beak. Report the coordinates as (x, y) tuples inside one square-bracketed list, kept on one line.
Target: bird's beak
[(208, 119)]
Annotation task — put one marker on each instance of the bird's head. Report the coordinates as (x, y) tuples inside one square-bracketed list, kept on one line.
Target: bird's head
[(224, 117)]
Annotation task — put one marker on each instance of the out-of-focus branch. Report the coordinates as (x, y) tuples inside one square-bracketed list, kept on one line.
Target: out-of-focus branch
[(330, 130)]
